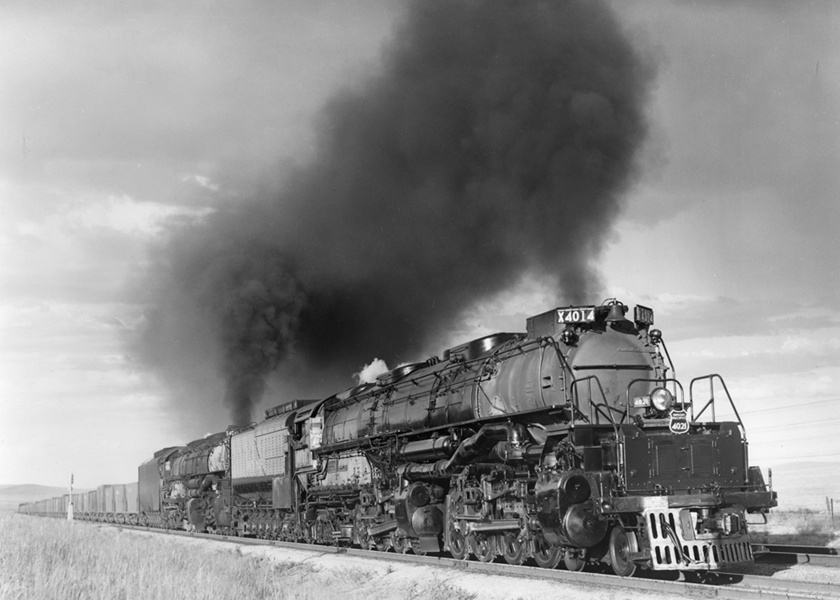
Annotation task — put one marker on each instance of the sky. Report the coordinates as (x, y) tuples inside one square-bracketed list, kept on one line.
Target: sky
[(122, 121)]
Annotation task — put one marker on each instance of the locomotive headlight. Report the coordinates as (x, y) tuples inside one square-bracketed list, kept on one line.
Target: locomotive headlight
[(569, 337), (661, 399)]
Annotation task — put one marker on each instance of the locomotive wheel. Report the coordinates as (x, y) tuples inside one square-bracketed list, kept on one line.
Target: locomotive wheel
[(545, 555), (258, 525), (574, 559), (271, 529), (483, 546), (622, 543), (400, 544), (381, 544), (195, 513), (209, 518), (512, 549), (458, 547), (265, 524), (415, 547), (362, 534), (456, 540)]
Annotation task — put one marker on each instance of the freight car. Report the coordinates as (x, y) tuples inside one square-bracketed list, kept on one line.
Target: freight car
[(569, 443), (115, 503)]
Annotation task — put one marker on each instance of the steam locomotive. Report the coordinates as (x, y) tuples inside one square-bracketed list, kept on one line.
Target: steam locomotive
[(570, 443)]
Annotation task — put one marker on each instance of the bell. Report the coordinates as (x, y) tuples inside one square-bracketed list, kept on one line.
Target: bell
[(617, 311)]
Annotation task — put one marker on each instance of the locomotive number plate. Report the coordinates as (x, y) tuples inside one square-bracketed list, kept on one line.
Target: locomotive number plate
[(643, 315), (577, 314), (678, 422)]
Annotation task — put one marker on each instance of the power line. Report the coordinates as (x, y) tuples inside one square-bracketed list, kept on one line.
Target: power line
[(824, 440), (799, 456), (794, 425), (790, 406)]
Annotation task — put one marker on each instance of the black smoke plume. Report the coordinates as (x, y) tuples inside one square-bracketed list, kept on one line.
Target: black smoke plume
[(497, 140)]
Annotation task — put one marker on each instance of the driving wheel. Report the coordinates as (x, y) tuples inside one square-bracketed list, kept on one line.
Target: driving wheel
[(483, 546), (400, 544), (574, 559), (622, 543), (512, 548), (456, 540), (545, 555)]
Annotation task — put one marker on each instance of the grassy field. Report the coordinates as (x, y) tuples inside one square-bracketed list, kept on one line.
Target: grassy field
[(800, 527), (53, 559)]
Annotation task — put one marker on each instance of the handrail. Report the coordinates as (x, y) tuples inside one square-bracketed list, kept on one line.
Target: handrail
[(553, 343), (712, 377), (668, 356), (595, 408), (572, 387), (593, 405)]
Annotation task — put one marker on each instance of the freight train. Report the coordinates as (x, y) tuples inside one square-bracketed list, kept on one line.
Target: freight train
[(571, 443)]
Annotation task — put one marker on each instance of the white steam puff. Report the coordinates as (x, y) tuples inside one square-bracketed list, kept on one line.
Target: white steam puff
[(371, 371)]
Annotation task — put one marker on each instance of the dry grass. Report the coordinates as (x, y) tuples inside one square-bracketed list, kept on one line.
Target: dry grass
[(47, 558), (54, 559), (800, 527)]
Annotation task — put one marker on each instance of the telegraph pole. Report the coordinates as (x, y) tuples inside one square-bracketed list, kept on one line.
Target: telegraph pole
[(70, 500)]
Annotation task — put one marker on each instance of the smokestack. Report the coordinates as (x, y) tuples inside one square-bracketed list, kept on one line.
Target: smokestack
[(496, 141)]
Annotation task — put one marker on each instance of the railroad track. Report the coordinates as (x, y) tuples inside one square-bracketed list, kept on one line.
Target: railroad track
[(710, 585), (791, 554)]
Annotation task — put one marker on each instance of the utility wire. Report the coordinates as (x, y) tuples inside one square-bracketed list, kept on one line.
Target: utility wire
[(799, 457), (793, 425), (790, 406)]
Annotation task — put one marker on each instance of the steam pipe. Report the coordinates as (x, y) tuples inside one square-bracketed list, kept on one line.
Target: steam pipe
[(426, 449), (208, 482), (485, 442), (476, 445)]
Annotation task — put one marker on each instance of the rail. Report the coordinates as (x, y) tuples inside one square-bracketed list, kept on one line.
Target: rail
[(788, 554), (597, 407), (668, 356)]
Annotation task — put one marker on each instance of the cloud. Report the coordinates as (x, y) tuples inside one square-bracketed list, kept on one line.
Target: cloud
[(78, 245), (126, 97), (739, 125), (740, 191), (117, 214), (66, 381)]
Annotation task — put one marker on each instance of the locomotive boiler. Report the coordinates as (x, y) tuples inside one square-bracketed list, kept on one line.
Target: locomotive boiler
[(571, 443)]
